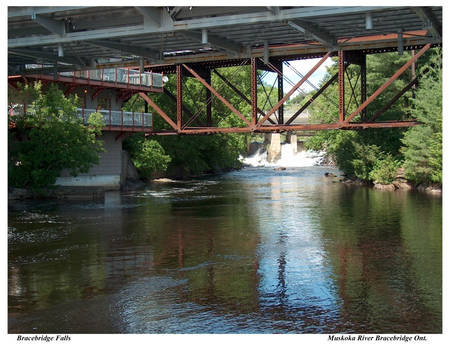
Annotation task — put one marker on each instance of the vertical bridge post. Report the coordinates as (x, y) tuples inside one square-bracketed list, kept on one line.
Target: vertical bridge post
[(363, 72), (341, 82), (179, 96), (254, 92), (208, 99)]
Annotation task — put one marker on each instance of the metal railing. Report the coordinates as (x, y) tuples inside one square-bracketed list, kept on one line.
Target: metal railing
[(119, 75), (119, 118), (111, 118)]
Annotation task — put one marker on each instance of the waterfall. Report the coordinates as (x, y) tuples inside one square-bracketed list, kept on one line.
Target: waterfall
[(288, 158)]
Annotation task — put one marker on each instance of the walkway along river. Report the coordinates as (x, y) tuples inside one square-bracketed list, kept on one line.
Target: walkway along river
[(252, 251)]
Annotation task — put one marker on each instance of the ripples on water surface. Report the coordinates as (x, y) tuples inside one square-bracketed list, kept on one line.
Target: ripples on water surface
[(252, 251)]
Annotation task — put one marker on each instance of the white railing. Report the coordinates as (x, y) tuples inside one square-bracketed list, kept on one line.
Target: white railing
[(119, 118), (111, 117), (119, 75)]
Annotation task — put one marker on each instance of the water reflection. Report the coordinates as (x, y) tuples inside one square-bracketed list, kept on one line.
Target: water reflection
[(255, 251)]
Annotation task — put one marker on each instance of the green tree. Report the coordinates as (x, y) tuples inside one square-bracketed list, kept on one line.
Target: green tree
[(196, 154), (50, 137), (357, 152), (422, 148), (384, 170), (147, 155)]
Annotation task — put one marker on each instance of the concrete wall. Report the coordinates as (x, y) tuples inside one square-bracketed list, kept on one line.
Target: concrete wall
[(274, 151), (108, 173)]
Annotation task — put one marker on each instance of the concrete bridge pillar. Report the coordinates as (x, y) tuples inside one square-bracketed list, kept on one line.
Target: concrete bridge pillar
[(292, 138), (108, 174), (300, 146), (274, 151)]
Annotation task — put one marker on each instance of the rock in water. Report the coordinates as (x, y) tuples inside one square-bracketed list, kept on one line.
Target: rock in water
[(280, 168)]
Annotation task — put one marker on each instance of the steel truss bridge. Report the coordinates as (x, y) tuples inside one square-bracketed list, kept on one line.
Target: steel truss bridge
[(194, 42)]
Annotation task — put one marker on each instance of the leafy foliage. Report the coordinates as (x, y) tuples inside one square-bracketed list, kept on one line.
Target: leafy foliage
[(363, 153), (147, 155), (365, 157), (384, 170), (197, 154), (49, 138), (423, 144)]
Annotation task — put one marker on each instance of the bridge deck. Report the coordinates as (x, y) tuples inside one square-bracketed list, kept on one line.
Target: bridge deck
[(192, 41), (114, 120), (119, 78)]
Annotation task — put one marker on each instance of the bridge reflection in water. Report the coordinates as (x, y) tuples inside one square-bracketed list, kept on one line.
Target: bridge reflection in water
[(252, 251)]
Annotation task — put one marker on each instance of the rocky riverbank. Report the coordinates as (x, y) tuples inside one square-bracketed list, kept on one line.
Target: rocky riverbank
[(399, 184)]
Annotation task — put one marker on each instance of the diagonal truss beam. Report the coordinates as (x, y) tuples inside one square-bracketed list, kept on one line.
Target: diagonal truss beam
[(294, 88), (387, 83), (313, 98), (394, 99), (316, 32), (174, 99), (236, 90), (220, 97), (159, 110)]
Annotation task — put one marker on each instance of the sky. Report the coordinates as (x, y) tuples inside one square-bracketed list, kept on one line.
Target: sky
[(303, 67)]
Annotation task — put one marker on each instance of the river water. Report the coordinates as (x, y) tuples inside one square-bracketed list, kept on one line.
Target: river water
[(251, 251)]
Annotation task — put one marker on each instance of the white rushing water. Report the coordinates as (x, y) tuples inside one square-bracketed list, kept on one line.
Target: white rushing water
[(288, 158)]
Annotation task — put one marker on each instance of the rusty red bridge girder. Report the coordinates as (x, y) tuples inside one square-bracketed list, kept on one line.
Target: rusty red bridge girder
[(256, 120)]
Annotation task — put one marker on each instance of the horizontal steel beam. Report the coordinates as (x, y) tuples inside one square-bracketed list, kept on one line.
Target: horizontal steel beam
[(28, 11), (130, 49), (284, 128), (152, 15), (387, 83), (215, 41), (193, 24), (53, 26), (293, 51), (317, 33), (47, 56)]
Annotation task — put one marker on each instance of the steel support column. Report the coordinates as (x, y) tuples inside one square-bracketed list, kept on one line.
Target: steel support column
[(279, 67), (363, 72), (241, 94), (174, 99), (341, 79), (179, 96), (254, 92), (208, 99), (220, 97), (387, 83)]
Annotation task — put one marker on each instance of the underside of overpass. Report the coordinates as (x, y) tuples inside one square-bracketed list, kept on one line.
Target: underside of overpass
[(194, 42), (123, 51)]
